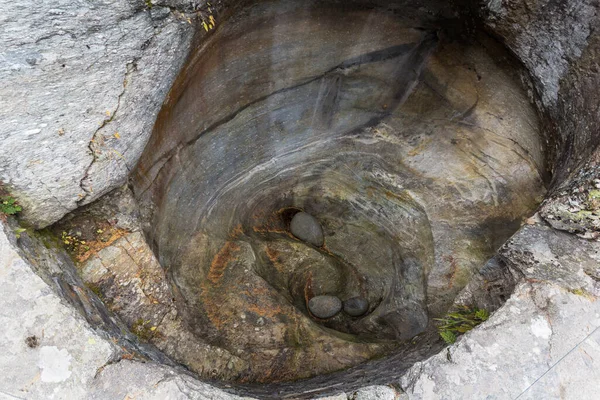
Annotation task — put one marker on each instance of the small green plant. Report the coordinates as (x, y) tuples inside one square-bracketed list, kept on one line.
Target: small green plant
[(143, 330), (19, 231), (96, 289), (73, 243), (9, 205), (460, 321)]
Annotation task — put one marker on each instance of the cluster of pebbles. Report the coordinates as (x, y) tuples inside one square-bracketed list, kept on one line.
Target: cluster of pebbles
[(308, 229)]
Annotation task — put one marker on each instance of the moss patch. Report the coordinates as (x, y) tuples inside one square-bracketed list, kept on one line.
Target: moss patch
[(462, 320)]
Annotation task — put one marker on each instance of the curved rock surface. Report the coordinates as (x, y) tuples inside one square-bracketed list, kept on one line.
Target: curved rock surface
[(419, 155)]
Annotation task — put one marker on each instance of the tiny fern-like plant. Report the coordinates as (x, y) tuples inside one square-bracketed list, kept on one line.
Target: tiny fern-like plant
[(462, 320), (9, 206)]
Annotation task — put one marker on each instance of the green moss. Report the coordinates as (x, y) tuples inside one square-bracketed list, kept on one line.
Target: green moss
[(594, 194), (583, 293), (96, 290), (48, 239), (143, 330), (148, 4), (460, 321)]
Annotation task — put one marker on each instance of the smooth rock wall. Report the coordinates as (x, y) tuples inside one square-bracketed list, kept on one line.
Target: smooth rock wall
[(418, 155)]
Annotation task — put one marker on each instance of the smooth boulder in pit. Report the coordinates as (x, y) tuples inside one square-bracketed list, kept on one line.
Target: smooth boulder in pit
[(324, 306), (356, 306), (306, 227)]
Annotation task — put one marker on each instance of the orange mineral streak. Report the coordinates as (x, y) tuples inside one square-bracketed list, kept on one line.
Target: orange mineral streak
[(236, 232), (274, 258), (110, 236), (453, 268), (270, 311), (220, 262)]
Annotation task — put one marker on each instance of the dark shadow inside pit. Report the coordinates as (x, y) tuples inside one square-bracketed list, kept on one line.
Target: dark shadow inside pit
[(418, 155)]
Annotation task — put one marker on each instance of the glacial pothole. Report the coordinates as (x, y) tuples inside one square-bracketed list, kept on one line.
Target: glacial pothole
[(417, 155)]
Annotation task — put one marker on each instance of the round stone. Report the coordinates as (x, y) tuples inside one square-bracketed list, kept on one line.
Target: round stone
[(324, 306), (356, 306), (306, 227)]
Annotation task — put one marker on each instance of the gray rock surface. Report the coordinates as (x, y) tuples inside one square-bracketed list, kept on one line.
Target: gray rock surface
[(68, 359), (81, 84), (550, 35), (378, 393), (306, 227), (558, 44), (146, 381), (324, 306), (542, 343), (356, 306)]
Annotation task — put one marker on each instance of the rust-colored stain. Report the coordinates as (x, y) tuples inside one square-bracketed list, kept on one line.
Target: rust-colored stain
[(308, 292), (92, 247), (266, 229), (272, 254), (221, 260), (269, 311), (274, 258), (276, 222), (236, 232), (453, 269)]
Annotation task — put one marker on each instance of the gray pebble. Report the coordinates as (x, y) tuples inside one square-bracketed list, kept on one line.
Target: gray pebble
[(356, 306), (306, 227), (324, 306)]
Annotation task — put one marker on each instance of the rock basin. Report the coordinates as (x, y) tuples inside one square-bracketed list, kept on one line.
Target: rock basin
[(418, 154)]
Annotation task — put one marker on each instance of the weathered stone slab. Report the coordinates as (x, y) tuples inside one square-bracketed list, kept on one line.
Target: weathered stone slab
[(45, 346), (81, 84), (552, 316), (48, 350)]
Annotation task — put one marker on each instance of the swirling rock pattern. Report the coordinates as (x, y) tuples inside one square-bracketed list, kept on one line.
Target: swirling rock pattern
[(417, 156)]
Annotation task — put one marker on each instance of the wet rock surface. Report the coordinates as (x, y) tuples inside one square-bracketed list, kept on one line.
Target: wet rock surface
[(324, 306)]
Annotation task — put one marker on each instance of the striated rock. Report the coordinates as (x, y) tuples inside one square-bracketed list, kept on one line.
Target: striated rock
[(559, 45), (134, 286), (306, 227), (324, 306), (48, 349), (419, 154)]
